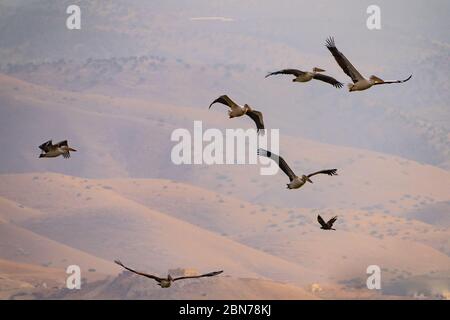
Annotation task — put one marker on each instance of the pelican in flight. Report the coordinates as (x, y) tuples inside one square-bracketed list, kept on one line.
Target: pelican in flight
[(167, 282), (295, 181), (359, 82), (50, 150), (238, 111), (326, 225), (305, 76)]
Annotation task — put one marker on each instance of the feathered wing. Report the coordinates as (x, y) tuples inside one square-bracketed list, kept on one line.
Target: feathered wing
[(321, 221), (294, 72), (62, 143), (330, 172), (210, 274), (138, 272), (328, 79), (343, 62), (224, 99), (381, 81), (280, 161), (258, 118), (46, 146), (331, 221)]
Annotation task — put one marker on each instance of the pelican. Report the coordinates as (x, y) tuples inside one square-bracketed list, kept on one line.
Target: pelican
[(359, 82), (295, 181), (167, 282), (238, 111), (326, 225), (305, 76), (50, 150)]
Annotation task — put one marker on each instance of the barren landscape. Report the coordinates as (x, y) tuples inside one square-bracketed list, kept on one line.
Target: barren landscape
[(121, 197)]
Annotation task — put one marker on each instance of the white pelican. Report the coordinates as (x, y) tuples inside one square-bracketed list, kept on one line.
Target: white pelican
[(167, 282), (50, 150), (305, 76), (238, 111), (359, 82), (326, 225), (295, 181)]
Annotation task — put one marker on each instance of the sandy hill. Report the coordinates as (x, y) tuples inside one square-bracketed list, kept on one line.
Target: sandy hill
[(155, 224), (128, 286), (112, 135), (21, 245)]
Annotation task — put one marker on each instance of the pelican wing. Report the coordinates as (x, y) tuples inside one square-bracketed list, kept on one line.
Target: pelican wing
[(210, 274), (46, 146), (321, 221), (66, 155), (226, 101), (343, 62), (294, 72), (139, 273), (381, 81), (62, 143), (330, 172), (280, 161), (328, 79), (331, 221), (258, 118)]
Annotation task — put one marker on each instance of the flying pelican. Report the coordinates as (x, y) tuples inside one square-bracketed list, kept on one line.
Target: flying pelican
[(326, 225), (50, 150), (295, 181), (359, 82), (305, 76), (238, 111), (167, 282)]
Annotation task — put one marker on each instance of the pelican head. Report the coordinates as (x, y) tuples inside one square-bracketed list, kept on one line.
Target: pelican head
[(169, 277), (351, 87), (315, 70)]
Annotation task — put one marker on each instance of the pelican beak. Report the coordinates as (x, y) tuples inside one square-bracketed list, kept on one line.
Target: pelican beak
[(309, 180)]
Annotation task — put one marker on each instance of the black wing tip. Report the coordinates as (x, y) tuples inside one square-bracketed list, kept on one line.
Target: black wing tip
[(329, 42), (333, 172), (410, 76), (338, 85), (266, 153), (117, 261), (217, 100)]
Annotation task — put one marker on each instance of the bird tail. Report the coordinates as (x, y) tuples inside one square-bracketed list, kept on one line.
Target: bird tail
[(72, 149)]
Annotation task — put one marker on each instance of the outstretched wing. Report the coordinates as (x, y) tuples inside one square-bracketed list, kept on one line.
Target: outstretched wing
[(62, 143), (328, 79), (46, 146), (294, 72), (330, 172), (226, 101), (381, 81), (343, 62), (321, 221), (211, 274), (258, 118), (280, 161), (139, 273), (331, 221)]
